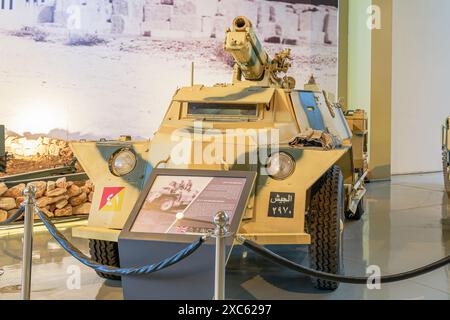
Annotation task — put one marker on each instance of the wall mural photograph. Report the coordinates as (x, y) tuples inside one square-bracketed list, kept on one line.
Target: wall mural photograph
[(76, 69)]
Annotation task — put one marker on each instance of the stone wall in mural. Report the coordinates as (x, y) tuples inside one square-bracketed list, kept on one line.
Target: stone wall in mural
[(77, 69), (275, 21)]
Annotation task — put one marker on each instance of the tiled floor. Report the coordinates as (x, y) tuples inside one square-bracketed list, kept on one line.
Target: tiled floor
[(401, 230)]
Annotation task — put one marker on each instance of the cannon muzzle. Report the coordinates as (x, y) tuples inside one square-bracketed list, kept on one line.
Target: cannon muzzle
[(240, 23), (252, 61), (241, 42)]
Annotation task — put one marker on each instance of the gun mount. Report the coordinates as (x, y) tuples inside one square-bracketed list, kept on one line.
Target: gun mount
[(252, 61)]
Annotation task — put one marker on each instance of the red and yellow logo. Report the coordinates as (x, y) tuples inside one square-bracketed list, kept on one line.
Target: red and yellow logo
[(112, 199)]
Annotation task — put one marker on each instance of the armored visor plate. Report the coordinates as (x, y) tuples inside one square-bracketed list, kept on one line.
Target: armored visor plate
[(336, 125), (309, 104), (237, 95), (281, 205)]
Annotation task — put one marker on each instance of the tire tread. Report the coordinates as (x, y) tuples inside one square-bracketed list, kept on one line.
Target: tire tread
[(324, 226), (106, 253)]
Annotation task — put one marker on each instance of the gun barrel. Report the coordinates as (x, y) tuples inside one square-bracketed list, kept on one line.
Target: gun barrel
[(243, 44)]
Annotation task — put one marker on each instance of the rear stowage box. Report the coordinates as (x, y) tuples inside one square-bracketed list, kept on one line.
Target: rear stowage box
[(358, 122)]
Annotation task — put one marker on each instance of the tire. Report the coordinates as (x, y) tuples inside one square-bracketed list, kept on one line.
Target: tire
[(446, 169), (359, 212), (323, 223), (106, 253), (167, 205)]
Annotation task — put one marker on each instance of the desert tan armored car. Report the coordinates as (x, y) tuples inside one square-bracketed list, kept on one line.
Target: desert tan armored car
[(446, 154), (298, 141)]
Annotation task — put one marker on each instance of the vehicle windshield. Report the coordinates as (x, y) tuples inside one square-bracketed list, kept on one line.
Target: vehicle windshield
[(222, 109)]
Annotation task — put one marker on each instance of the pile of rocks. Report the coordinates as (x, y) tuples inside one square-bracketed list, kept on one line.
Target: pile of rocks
[(56, 199), (41, 146)]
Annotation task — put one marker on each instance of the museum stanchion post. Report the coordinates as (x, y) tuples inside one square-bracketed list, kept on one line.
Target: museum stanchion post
[(221, 220), (29, 194)]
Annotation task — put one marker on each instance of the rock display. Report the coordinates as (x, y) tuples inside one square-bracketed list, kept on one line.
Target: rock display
[(59, 198), (7, 203), (3, 188), (41, 146), (3, 215), (15, 192), (41, 187)]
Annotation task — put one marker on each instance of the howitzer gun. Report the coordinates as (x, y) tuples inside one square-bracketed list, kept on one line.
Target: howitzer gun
[(252, 61)]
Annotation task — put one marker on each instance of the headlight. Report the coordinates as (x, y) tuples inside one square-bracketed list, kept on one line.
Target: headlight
[(122, 162), (280, 166)]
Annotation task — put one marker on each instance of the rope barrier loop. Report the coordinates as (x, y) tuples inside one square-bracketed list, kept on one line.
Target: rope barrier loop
[(264, 252), (87, 261), (14, 217)]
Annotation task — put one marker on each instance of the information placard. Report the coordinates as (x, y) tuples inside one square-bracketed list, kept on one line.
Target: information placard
[(184, 202)]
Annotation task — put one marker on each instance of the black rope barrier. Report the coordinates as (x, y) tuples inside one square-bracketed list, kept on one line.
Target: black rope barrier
[(264, 252), (13, 218), (87, 261)]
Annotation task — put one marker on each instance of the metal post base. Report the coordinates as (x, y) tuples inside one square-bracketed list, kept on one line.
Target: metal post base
[(29, 193), (221, 220)]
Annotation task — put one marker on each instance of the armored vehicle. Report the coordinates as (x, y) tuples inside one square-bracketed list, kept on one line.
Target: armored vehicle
[(298, 141), (446, 154)]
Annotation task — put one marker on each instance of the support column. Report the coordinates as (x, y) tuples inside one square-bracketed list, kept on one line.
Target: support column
[(381, 95), (365, 75), (343, 52)]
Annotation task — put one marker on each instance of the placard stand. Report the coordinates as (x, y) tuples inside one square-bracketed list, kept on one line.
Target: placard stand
[(191, 279), (139, 244)]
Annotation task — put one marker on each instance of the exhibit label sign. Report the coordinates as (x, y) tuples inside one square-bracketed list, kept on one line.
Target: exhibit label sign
[(184, 202), (281, 205), (186, 205)]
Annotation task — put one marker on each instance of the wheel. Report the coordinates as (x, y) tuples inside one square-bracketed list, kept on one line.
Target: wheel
[(323, 223), (106, 253), (167, 204), (446, 167), (360, 209)]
